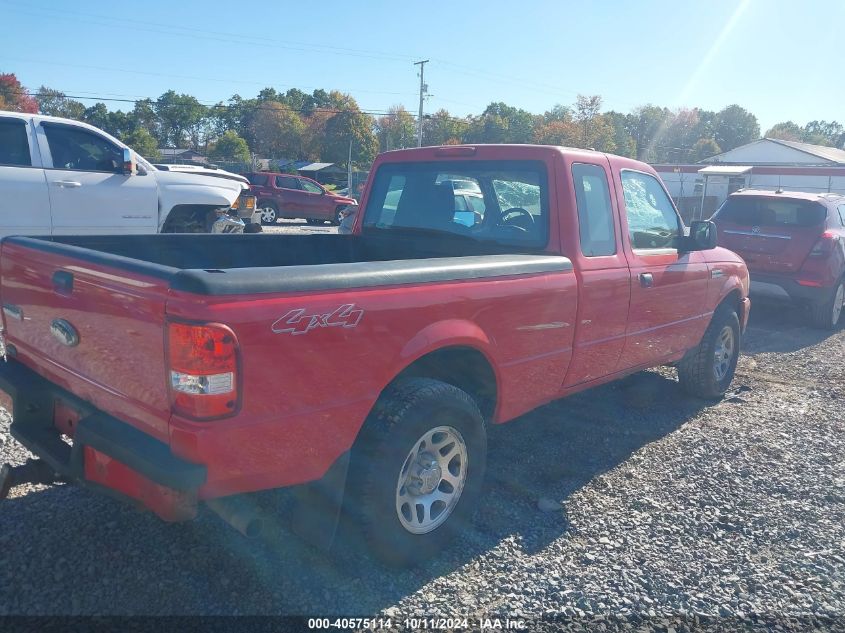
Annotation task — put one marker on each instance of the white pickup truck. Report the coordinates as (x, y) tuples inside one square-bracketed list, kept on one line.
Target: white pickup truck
[(59, 177)]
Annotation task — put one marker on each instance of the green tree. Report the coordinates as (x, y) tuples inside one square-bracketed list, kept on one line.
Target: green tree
[(704, 148), (182, 119), (786, 131), (144, 143), (55, 103), (441, 128), (501, 123), (644, 125), (735, 126), (625, 145), (231, 147), (277, 131), (350, 125), (14, 97), (396, 130), (587, 110), (825, 133)]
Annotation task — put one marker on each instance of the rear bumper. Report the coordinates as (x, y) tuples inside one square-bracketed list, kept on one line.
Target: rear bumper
[(105, 453), (786, 288)]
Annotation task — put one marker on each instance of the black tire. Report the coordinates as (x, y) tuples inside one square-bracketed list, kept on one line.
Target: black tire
[(270, 206), (697, 371), (404, 415), (825, 315), (337, 218)]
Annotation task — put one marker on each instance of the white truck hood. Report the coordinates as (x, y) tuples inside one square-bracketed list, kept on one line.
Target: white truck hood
[(196, 187)]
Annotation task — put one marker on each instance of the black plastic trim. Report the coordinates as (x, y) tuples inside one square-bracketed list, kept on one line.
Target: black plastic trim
[(346, 276)]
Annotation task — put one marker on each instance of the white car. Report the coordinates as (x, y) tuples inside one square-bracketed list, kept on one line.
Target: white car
[(59, 176)]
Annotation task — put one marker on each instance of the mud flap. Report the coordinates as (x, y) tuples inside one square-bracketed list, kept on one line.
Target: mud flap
[(318, 506)]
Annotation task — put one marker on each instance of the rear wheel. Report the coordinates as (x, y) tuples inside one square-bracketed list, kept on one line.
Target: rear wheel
[(338, 218), (419, 470), (707, 370), (269, 212), (826, 315)]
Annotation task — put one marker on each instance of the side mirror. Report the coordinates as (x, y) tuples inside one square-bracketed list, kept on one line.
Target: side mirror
[(128, 162), (702, 236)]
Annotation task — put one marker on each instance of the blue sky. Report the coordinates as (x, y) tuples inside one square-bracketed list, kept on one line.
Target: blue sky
[(780, 59)]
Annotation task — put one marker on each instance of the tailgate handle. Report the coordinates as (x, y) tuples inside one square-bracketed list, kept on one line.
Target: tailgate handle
[(63, 282)]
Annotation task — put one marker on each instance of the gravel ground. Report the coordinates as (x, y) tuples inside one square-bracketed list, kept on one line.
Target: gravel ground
[(628, 501)]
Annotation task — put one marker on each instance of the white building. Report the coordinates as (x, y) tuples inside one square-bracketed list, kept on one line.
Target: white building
[(765, 164)]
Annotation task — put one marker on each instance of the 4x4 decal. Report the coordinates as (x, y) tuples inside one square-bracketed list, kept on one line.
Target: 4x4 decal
[(297, 322)]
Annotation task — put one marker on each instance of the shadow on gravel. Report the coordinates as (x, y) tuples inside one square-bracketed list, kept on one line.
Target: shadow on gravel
[(781, 328), (66, 550)]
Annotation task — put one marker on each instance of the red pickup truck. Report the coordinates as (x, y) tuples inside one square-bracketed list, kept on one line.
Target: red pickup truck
[(171, 370)]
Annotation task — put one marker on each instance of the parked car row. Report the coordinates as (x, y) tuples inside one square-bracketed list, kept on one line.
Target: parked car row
[(64, 177)]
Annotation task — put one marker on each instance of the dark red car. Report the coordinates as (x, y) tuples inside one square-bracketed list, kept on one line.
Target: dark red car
[(793, 244), (289, 196)]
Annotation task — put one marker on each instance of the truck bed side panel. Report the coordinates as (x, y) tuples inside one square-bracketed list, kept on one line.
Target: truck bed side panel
[(307, 391)]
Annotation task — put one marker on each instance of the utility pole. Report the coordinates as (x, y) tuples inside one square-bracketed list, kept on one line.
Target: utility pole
[(423, 91)]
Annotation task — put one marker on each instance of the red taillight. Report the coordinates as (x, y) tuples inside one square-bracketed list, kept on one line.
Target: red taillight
[(825, 245), (203, 370)]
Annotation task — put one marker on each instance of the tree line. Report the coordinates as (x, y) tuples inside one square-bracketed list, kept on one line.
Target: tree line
[(319, 126)]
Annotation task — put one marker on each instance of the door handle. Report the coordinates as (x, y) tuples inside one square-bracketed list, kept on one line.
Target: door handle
[(646, 280), (70, 184)]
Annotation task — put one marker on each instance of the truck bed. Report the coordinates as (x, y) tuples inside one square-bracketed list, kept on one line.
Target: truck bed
[(248, 264)]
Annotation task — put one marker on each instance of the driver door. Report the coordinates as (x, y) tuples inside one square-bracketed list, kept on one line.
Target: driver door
[(668, 306), (88, 192)]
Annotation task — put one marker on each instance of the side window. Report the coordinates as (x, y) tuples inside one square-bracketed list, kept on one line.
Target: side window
[(842, 214), (286, 182), (595, 212), (259, 180), (652, 220), (75, 148), (14, 145), (310, 187)]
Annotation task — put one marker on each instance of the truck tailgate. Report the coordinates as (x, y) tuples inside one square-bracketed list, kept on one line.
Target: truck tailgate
[(95, 330)]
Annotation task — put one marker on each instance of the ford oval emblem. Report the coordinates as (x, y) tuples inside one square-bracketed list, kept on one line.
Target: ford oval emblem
[(755, 229), (64, 332)]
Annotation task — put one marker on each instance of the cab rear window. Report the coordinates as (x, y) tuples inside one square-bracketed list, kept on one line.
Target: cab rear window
[(752, 211), (498, 201)]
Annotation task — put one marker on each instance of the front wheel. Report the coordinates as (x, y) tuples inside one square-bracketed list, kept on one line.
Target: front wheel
[(420, 469), (707, 370), (827, 314)]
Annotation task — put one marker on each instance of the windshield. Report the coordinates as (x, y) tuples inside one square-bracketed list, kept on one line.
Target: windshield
[(500, 201)]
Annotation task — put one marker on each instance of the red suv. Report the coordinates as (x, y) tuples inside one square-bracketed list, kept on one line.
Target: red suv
[(287, 196), (793, 244)]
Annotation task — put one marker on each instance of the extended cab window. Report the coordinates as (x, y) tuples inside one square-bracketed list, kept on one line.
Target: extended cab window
[(287, 182), (652, 219), (74, 148), (14, 145), (499, 201), (259, 180), (595, 213)]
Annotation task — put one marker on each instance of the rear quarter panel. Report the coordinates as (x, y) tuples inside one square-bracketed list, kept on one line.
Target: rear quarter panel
[(306, 395)]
